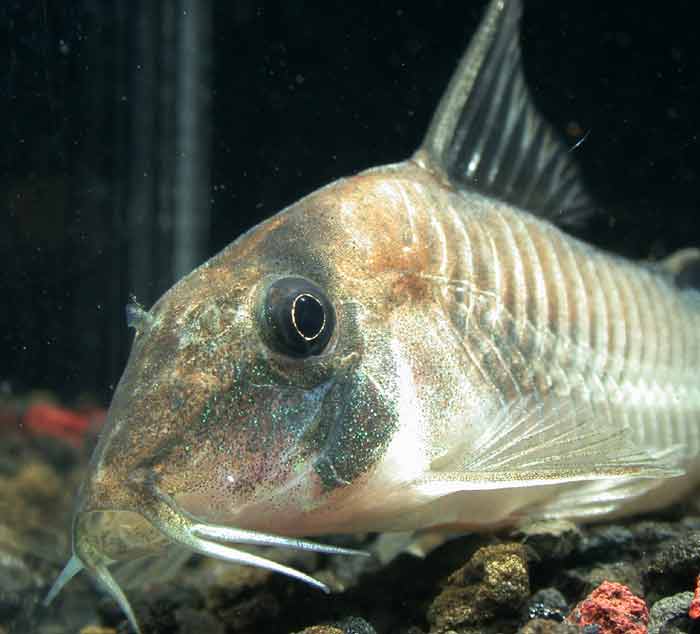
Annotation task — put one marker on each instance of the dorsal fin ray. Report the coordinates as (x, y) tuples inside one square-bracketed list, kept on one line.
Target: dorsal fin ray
[(488, 136)]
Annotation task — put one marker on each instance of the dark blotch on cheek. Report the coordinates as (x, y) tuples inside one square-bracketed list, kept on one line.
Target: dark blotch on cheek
[(254, 435), (359, 426)]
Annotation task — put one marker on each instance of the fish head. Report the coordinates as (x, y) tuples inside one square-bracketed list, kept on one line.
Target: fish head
[(260, 392)]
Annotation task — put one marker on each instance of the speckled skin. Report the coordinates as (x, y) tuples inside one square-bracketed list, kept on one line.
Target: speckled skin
[(484, 365), (449, 306)]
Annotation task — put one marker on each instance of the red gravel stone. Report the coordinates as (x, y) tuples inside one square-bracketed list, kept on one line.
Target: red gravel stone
[(614, 609), (51, 420), (694, 610)]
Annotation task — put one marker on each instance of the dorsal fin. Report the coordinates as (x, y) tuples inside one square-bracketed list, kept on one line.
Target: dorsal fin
[(487, 135)]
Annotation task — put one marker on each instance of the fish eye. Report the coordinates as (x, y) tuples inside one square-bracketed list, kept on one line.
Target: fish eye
[(298, 319)]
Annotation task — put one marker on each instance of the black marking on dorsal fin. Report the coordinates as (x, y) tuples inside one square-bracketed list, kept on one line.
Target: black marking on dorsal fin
[(487, 135)]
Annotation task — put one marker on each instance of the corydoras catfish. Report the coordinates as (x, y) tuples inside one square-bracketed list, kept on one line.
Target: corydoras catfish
[(417, 346)]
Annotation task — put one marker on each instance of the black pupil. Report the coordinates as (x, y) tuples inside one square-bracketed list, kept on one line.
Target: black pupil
[(298, 319), (308, 316)]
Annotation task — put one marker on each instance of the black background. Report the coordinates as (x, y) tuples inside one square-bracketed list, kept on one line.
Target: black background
[(300, 95)]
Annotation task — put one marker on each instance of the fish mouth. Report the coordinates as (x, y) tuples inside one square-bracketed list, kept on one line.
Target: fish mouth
[(96, 547)]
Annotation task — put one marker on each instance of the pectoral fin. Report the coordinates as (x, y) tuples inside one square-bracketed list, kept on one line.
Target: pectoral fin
[(536, 442), (592, 499)]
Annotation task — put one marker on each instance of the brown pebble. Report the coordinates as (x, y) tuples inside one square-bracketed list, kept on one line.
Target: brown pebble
[(550, 539), (349, 625), (226, 582), (494, 581)]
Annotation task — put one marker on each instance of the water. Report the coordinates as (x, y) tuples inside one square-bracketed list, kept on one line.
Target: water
[(136, 142)]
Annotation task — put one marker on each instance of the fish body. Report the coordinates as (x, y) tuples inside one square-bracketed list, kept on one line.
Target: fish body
[(467, 312), (417, 346)]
